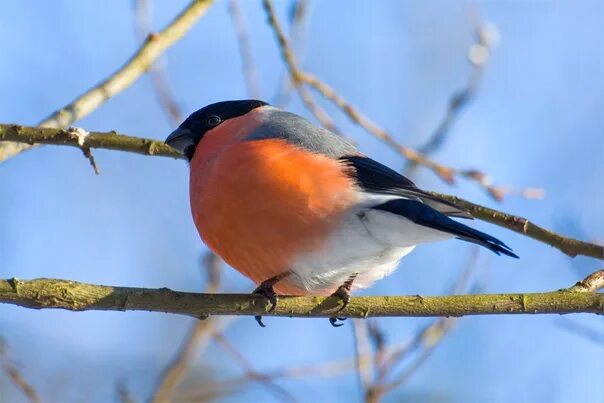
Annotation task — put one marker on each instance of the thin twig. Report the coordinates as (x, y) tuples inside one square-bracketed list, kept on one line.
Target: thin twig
[(245, 50), (198, 338), (427, 338), (299, 77), (320, 114), (279, 392), (16, 377), (298, 20), (157, 71), (151, 49), (362, 353), (123, 394), (478, 55), (305, 95), (582, 330), (591, 283), (114, 141)]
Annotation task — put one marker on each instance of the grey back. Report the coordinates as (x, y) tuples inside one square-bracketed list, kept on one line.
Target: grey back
[(279, 124)]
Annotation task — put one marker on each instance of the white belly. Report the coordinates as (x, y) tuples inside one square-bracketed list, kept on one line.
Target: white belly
[(369, 244)]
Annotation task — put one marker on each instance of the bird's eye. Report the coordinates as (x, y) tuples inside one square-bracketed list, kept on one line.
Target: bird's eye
[(213, 121)]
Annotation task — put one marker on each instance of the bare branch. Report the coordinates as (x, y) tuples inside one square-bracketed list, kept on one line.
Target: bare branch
[(152, 48), (16, 377), (591, 283), (571, 247), (105, 140), (157, 71), (115, 141), (75, 296), (298, 19), (478, 55), (300, 77)]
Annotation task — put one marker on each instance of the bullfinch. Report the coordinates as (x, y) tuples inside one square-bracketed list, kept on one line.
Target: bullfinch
[(298, 209)]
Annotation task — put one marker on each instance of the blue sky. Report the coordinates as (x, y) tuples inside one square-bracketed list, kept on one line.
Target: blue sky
[(536, 121)]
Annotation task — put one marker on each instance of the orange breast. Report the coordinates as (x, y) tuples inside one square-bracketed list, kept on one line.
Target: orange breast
[(258, 204)]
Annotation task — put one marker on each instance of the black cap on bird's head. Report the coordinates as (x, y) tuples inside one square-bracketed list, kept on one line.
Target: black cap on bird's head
[(186, 137)]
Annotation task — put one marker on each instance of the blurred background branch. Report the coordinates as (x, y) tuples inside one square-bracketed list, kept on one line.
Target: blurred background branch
[(300, 78), (245, 50), (157, 70), (153, 46), (15, 376), (197, 339)]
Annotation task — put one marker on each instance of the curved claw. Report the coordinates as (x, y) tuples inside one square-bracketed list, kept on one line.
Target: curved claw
[(266, 290), (259, 320), (268, 293), (334, 321)]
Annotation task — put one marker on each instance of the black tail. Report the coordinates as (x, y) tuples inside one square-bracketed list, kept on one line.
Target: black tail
[(425, 215)]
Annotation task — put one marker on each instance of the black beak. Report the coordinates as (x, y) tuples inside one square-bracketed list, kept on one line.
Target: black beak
[(180, 139)]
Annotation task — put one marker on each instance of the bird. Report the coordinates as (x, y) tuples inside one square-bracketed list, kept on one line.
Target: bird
[(299, 209)]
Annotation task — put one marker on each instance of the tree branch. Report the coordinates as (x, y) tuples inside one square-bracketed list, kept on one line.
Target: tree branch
[(299, 78), (104, 140), (114, 141), (75, 296), (151, 49), (571, 247), (16, 377)]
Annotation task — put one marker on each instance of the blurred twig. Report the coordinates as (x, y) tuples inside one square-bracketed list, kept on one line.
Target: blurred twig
[(362, 353), (151, 49), (245, 49), (319, 113), (486, 36), (581, 330), (115, 141), (123, 394), (300, 78), (297, 83), (199, 336), (426, 339), (157, 71), (16, 377), (279, 392), (429, 337), (298, 21)]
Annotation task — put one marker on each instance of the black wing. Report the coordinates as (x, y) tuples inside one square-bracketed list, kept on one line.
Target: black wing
[(377, 178), (422, 214)]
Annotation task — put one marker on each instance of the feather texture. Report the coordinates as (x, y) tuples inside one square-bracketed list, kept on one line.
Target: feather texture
[(374, 177)]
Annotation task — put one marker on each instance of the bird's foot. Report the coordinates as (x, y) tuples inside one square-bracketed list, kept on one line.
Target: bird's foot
[(343, 293), (266, 290)]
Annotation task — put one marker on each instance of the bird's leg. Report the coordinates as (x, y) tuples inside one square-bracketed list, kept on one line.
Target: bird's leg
[(343, 292), (266, 290)]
